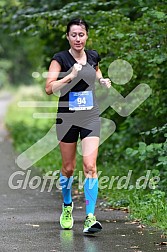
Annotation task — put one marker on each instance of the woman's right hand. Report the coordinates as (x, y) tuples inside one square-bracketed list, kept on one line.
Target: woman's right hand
[(76, 68)]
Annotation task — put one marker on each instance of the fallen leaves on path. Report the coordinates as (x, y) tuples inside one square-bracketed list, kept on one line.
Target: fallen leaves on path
[(164, 243), (164, 236), (32, 225), (141, 226), (133, 222)]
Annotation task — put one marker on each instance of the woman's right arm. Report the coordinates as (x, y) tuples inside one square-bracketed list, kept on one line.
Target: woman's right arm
[(52, 84)]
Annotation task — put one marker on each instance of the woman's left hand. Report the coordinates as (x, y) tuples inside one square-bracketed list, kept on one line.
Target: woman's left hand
[(105, 82)]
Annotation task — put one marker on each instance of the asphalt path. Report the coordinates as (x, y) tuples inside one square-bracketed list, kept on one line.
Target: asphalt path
[(29, 218)]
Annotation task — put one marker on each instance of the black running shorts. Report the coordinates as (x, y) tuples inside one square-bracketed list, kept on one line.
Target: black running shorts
[(69, 131)]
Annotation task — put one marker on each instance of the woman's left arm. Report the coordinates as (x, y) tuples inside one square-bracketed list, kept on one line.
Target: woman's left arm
[(103, 81)]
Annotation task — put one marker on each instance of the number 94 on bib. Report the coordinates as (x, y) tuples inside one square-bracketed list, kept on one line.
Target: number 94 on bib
[(81, 100)]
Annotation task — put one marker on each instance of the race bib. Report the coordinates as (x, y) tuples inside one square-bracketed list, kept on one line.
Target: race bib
[(81, 100)]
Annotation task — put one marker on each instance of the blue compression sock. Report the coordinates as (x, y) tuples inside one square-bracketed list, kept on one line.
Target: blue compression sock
[(66, 184), (91, 191)]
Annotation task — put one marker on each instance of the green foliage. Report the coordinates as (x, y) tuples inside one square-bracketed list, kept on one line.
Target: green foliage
[(5, 65), (151, 208), (152, 151), (153, 155), (24, 128)]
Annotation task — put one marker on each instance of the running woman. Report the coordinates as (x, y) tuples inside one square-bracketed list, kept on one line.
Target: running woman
[(74, 72)]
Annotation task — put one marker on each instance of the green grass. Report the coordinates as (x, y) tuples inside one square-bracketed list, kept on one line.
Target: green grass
[(146, 205)]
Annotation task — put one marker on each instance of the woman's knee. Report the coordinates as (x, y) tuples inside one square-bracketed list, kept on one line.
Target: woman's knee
[(68, 168), (90, 169)]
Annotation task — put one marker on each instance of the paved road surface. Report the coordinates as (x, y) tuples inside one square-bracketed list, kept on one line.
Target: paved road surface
[(30, 218)]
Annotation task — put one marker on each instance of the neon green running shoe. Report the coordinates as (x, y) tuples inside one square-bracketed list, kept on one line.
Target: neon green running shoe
[(66, 219), (91, 225)]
